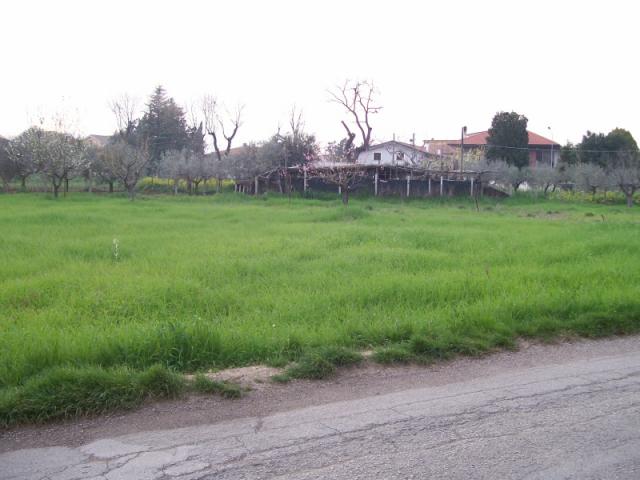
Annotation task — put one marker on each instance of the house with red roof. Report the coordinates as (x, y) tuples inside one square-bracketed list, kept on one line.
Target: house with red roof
[(542, 151)]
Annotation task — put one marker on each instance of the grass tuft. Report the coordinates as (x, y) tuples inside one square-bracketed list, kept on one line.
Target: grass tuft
[(319, 364), (203, 384), (394, 354), (66, 392)]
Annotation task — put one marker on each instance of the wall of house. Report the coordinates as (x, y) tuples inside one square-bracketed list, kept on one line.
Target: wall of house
[(539, 157), (389, 155)]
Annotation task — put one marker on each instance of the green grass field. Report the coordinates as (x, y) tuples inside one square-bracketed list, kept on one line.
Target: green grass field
[(201, 283)]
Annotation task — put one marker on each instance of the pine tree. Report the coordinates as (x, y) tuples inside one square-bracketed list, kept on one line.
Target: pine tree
[(163, 127)]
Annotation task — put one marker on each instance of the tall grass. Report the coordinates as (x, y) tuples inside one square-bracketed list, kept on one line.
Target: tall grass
[(231, 280)]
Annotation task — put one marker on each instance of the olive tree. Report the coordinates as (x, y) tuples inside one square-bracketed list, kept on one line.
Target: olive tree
[(590, 177), (625, 174)]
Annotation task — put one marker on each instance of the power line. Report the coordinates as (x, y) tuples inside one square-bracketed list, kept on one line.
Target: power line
[(547, 149)]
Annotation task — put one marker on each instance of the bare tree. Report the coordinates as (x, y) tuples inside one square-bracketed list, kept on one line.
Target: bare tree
[(96, 156), (346, 176), (337, 170), (217, 126), (358, 99), (126, 163), (221, 129), (125, 109)]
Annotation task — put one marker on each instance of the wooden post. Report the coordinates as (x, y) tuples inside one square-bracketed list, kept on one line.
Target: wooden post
[(375, 184), (429, 184), (257, 183), (441, 185), (471, 187), (305, 185), (408, 185)]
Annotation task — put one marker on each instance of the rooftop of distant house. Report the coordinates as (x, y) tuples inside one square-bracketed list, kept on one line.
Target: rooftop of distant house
[(480, 138)]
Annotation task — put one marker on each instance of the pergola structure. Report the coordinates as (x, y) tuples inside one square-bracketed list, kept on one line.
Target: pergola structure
[(376, 180)]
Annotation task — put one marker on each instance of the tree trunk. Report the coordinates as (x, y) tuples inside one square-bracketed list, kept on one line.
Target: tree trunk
[(23, 183), (189, 187), (629, 199), (6, 186), (132, 192), (110, 187), (56, 187), (345, 196), (175, 187), (218, 184), (66, 186)]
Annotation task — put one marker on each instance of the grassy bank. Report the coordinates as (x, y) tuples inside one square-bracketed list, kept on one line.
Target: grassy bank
[(199, 283)]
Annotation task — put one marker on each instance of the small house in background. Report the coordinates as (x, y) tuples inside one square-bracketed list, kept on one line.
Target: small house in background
[(542, 151), (394, 153), (98, 140)]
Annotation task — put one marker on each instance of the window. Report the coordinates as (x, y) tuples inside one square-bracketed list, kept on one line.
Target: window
[(543, 157), (377, 156), (399, 156)]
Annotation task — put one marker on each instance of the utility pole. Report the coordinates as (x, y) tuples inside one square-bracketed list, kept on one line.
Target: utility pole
[(393, 151), (552, 142), (414, 153), (462, 134)]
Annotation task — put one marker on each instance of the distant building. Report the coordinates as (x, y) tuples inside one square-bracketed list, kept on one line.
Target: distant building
[(542, 151), (98, 140), (394, 152)]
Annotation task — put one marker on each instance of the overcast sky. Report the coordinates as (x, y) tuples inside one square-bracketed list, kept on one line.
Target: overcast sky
[(571, 66)]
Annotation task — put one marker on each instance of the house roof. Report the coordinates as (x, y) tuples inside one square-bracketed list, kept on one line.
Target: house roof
[(480, 138), (403, 144), (232, 151), (98, 140)]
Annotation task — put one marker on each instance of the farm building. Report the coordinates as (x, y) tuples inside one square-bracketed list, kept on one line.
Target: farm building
[(394, 153)]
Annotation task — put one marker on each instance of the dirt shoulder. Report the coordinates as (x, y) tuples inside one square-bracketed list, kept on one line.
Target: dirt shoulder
[(266, 397)]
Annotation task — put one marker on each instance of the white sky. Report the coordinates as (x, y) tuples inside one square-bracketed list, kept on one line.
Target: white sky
[(569, 65)]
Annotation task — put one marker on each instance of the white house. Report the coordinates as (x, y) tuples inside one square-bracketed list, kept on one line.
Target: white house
[(393, 152)]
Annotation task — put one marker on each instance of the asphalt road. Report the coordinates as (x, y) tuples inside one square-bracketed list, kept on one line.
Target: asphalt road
[(577, 419)]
